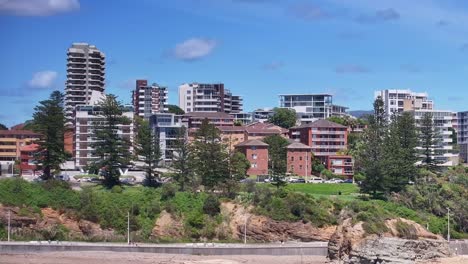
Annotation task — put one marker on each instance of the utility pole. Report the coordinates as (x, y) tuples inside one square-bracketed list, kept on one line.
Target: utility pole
[(245, 230), (448, 224), (128, 227), (9, 224)]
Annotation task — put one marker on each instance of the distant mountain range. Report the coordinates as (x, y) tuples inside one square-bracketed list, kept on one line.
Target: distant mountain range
[(360, 113)]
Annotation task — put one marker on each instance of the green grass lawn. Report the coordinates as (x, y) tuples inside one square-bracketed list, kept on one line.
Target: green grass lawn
[(348, 191)]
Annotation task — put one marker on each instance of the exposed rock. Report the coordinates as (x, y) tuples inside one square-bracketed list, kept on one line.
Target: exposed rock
[(48, 223), (350, 244), (167, 226), (264, 229)]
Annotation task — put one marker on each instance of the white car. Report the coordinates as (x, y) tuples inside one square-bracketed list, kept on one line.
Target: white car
[(335, 180), (316, 180)]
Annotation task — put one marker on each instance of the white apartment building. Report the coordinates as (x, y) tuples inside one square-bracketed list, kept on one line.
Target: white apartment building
[(198, 97), (85, 119), (444, 151), (462, 137), (262, 115), (167, 128), (311, 107), (149, 99), (85, 77), (397, 101)]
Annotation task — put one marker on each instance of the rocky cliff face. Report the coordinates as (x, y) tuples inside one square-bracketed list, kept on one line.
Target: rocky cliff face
[(262, 229), (51, 224), (350, 244)]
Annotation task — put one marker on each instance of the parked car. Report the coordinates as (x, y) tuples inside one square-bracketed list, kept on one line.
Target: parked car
[(348, 181), (335, 180), (63, 177), (316, 180), (300, 180)]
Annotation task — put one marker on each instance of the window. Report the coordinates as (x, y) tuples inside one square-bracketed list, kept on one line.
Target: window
[(300, 158), (253, 148), (292, 167), (189, 92), (254, 156), (300, 167), (254, 165), (292, 158), (189, 97)]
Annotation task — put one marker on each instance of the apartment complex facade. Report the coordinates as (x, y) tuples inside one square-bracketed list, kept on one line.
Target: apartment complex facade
[(262, 114), (167, 128), (311, 107), (342, 165), (444, 152), (256, 152), (11, 142), (462, 135), (324, 137), (149, 99), (299, 159), (28, 165), (86, 118), (398, 101), (198, 97), (85, 77)]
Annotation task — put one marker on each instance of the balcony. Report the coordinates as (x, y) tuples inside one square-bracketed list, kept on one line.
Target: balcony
[(322, 132), (328, 140)]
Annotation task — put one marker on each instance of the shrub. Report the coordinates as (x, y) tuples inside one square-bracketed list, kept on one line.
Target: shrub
[(406, 230), (211, 206), (168, 191)]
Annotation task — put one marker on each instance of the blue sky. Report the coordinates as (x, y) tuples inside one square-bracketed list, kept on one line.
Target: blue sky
[(258, 48)]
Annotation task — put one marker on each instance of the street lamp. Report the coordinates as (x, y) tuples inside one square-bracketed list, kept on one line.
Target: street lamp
[(448, 224), (9, 224)]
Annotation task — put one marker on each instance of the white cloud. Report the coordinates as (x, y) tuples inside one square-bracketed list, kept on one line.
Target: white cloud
[(38, 7), (43, 79), (194, 49)]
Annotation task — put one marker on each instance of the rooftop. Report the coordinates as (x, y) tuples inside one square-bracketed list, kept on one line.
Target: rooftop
[(252, 142), (297, 145), (19, 133), (209, 115), (321, 123)]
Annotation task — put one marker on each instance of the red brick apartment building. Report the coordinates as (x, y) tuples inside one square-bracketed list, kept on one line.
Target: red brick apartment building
[(27, 164), (326, 138), (342, 165), (256, 152), (299, 159)]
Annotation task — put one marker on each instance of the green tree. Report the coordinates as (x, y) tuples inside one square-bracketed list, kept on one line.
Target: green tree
[(148, 150), (181, 161), (210, 159), (49, 121), (370, 154), (400, 153), (429, 140), (238, 165), (3, 127), (283, 117), (112, 150), (175, 110), (277, 153)]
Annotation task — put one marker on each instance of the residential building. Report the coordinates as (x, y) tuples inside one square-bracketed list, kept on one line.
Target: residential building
[(299, 159), (342, 165), (443, 151), (11, 142), (149, 99), (28, 165), (325, 137), (462, 137), (198, 97), (232, 135), (85, 77), (256, 152), (397, 101), (167, 128), (193, 120), (86, 118), (262, 115), (243, 118), (261, 130), (311, 107)]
